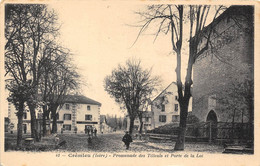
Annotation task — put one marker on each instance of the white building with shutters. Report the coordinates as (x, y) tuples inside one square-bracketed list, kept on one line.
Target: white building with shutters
[(76, 114), (166, 108)]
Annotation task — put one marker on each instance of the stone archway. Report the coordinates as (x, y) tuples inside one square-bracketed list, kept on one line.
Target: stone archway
[(212, 118)]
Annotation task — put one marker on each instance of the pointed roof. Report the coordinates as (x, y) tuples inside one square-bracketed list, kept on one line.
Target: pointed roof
[(164, 90), (168, 87)]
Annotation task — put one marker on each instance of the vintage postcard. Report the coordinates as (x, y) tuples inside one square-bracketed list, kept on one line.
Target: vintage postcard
[(129, 82)]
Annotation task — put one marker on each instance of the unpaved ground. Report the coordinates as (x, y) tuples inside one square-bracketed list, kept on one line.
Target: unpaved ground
[(111, 142)]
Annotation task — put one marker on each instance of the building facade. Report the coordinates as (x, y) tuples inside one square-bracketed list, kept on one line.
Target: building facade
[(214, 72), (76, 115), (147, 119), (104, 127), (165, 107), (13, 121)]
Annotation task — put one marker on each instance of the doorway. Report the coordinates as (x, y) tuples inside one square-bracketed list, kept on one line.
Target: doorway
[(24, 128), (212, 118)]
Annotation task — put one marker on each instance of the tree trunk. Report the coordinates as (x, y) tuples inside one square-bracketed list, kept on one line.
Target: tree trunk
[(54, 118), (20, 124), (141, 122), (44, 125), (54, 124), (44, 130), (131, 125), (34, 131), (179, 145), (141, 127)]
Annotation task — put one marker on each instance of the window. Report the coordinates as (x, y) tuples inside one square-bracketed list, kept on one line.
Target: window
[(88, 107), (25, 115), (67, 127), (147, 119), (175, 118), (39, 115), (176, 98), (67, 116), (67, 106), (176, 107), (88, 117), (57, 116), (162, 118), (163, 108)]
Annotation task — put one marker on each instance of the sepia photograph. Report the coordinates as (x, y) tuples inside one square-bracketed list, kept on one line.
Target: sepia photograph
[(108, 82)]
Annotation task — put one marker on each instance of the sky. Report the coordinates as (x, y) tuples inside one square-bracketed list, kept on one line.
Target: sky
[(100, 37)]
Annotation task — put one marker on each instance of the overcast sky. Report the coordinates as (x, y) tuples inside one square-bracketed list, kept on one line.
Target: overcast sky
[(100, 38)]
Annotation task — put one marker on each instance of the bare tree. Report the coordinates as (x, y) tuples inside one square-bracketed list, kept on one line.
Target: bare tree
[(68, 83), (27, 30), (128, 85), (59, 78), (170, 19), (18, 95)]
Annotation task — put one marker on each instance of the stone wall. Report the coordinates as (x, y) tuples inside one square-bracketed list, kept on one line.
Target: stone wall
[(216, 69)]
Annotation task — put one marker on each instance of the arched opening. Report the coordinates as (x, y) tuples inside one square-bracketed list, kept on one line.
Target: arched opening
[(212, 118)]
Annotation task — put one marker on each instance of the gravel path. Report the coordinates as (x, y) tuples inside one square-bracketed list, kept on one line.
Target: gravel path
[(112, 143)]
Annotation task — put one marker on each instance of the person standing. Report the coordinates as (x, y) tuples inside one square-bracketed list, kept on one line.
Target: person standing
[(95, 132), (91, 131), (88, 131), (127, 139)]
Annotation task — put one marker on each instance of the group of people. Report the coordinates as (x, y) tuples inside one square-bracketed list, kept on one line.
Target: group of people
[(91, 131)]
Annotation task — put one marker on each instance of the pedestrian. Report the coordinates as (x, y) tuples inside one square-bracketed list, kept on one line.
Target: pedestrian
[(95, 132), (91, 131), (127, 139), (56, 139), (89, 140), (88, 131)]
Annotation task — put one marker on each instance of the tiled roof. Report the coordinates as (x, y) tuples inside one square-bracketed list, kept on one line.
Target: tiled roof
[(80, 99)]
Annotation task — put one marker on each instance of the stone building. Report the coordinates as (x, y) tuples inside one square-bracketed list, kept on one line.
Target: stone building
[(229, 58), (166, 108)]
